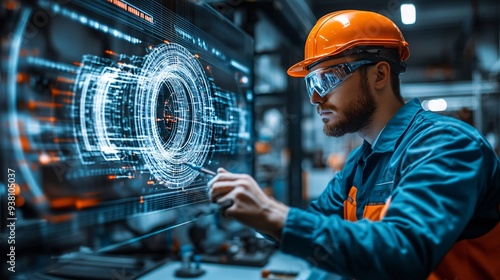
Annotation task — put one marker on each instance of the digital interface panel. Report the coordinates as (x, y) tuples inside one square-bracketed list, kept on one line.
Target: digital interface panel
[(103, 101)]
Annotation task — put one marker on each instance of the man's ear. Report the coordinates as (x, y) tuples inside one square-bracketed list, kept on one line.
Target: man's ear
[(382, 75)]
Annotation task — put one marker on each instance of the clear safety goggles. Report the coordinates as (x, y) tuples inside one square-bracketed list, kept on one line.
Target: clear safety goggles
[(322, 81)]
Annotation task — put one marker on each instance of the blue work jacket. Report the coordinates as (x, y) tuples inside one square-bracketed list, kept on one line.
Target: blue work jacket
[(422, 202)]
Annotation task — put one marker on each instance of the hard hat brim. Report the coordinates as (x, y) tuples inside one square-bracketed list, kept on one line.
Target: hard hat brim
[(299, 69)]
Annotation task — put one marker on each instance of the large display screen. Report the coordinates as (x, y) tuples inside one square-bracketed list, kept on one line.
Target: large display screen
[(102, 103)]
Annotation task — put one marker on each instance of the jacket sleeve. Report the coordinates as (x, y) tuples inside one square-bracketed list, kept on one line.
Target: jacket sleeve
[(442, 176)]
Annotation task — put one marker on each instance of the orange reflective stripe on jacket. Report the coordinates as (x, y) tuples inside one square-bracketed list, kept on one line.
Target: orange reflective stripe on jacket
[(350, 205), (372, 212)]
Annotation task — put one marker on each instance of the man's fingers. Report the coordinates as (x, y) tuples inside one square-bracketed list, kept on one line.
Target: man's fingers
[(215, 195), (225, 203), (226, 176), (223, 187), (219, 189), (222, 175), (222, 170)]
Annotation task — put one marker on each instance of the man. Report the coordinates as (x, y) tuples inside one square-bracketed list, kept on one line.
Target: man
[(419, 198)]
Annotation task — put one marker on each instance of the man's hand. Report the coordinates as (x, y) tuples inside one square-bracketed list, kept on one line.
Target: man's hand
[(251, 205)]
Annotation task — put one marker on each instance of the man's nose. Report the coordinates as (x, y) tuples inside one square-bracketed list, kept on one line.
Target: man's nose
[(315, 99)]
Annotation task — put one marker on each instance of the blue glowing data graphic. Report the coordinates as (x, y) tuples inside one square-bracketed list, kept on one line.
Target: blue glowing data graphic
[(104, 101), (158, 107)]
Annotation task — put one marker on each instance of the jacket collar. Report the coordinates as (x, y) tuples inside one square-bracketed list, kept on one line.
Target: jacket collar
[(386, 141)]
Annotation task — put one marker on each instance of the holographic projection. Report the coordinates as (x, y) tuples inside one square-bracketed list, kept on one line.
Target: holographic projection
[(158, 107), (103, 102)]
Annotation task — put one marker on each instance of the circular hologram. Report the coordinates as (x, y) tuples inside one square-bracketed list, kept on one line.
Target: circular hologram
[(174, 114)]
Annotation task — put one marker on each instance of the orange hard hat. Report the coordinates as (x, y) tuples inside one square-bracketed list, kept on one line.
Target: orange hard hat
[(339, 31)]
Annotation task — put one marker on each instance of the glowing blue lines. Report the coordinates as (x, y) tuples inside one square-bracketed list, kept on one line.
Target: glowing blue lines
[(56, 8), (173, 86), (161, 111), (239, 66), (50, 64)]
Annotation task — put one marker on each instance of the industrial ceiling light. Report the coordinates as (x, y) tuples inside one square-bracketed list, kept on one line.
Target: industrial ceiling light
[(435, 105), (408, 13)]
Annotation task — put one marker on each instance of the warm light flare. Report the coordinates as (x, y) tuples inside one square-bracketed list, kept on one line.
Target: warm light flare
[(86, 203), (40, 104)]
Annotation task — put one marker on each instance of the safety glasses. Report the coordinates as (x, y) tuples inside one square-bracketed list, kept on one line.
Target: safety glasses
[(322, 81)]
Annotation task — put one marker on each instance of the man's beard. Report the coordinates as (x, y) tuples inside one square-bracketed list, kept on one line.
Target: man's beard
[(353, 117)]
